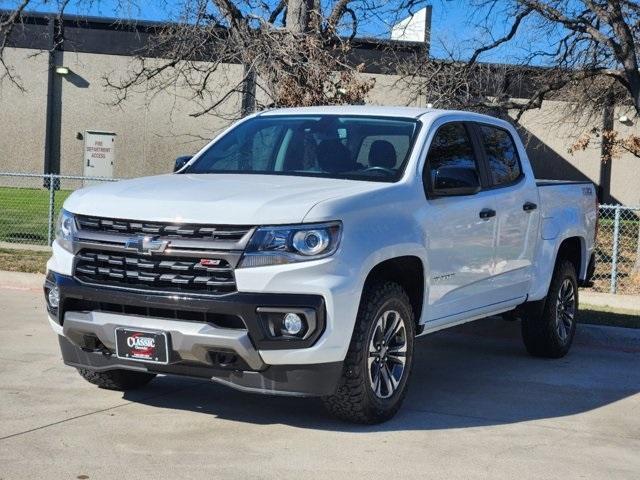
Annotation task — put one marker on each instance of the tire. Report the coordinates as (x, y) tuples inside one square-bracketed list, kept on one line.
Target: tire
[(359, 398), (548, 326), (121, 380)]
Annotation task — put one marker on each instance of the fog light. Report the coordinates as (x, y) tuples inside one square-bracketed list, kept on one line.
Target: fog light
[(54, 297), (292, 324)]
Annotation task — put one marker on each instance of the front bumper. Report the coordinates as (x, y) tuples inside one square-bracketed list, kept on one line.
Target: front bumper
[(87, 317), (292, 380)]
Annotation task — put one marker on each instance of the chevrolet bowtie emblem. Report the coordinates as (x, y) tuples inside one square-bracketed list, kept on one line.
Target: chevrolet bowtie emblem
[(147, 244)]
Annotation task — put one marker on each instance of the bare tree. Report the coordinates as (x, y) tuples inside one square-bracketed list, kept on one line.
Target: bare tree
[(302, 61), (298, 50), (592, 64)]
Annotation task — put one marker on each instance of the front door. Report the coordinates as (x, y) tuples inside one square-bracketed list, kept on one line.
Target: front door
[(459, 231)]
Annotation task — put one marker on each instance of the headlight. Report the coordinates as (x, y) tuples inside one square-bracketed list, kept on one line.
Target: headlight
[(65, 230), (291, 243)]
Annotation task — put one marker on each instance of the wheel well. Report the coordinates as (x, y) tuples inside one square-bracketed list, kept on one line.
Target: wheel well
[(571, 249), (408, 273)]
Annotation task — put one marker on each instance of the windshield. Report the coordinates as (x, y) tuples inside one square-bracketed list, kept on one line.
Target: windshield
[(355, 147)]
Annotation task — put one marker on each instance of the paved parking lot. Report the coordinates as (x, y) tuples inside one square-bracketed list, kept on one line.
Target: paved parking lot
[(478, 407)]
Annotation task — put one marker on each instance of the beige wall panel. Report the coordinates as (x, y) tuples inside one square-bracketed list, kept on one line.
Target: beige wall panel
[(389, 91), (152, 127), (22, 115), (548, 133), (625, 170)]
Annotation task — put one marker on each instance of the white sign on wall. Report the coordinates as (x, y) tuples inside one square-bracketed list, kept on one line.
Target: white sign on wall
[(99, 154)]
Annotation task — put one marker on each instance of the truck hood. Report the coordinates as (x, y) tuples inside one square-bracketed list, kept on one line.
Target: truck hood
[(234, 199)]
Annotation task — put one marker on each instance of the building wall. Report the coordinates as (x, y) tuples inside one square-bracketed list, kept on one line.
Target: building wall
[(152, 128), (548, 134), (551, 130), (625, 170), (390, 90), (22, 116)]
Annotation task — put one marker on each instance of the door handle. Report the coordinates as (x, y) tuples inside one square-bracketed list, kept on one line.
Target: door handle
[(487, 213), (529, 206)]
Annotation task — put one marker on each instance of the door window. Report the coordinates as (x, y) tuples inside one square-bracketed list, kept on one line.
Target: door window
[(501, 153), (452, 152)]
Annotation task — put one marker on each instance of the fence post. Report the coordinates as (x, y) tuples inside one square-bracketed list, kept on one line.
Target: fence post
[(614, 253), (51, 209)]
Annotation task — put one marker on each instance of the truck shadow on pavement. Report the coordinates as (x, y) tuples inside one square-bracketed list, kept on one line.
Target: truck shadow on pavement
[(474, 375)]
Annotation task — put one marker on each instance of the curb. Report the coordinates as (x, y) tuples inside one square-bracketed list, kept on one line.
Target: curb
[(24, 246), (624, 302)]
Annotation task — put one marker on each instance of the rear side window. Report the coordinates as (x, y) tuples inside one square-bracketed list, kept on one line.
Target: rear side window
[(501, 153), (451, 147)]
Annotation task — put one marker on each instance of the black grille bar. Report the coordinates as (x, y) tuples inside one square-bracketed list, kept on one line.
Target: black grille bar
[(231, 233), (160, 273)]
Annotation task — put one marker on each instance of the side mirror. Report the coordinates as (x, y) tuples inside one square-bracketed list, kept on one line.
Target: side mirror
[(181, 162), (454, 180)]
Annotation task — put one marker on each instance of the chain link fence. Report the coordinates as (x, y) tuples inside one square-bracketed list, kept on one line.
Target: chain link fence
[(618, 250), (30, 203)]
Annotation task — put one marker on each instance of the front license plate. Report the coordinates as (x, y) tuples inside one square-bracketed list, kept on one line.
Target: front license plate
[(142, 346)]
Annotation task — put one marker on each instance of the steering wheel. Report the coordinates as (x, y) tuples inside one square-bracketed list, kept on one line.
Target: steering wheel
[(380, 169)]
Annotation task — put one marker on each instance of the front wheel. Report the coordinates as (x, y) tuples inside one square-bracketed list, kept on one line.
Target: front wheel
[(378, 363), (548, 326)]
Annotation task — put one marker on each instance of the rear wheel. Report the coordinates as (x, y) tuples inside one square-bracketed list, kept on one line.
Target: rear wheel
[(548, 326), (117, 379), (378, 363)]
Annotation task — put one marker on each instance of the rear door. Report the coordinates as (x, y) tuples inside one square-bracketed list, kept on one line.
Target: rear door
[(459, 230), (516, 198)]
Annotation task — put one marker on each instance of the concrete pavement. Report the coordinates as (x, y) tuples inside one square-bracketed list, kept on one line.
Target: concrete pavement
[(478, 407)]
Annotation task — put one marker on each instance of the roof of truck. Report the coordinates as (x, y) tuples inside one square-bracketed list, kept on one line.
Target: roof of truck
[(371, 110), (405, 112)]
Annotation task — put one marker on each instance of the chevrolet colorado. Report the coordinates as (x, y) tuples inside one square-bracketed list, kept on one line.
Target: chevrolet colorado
[(303, 250)]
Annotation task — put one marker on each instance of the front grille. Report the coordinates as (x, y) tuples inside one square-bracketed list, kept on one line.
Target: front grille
[(162, 273), (231, 233), (220, 320)]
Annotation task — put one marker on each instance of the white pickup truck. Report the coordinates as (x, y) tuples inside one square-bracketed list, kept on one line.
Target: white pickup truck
[(303, 250)]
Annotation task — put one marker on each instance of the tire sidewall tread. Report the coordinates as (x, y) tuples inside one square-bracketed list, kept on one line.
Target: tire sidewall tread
[(539, 318), (354, 400)]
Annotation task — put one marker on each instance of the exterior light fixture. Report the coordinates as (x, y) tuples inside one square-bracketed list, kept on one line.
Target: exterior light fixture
[(293, 324), (62, 70), (623, 119)]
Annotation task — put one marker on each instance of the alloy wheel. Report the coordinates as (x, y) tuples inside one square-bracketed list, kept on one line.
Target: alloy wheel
[(387, 354), (565, 309)]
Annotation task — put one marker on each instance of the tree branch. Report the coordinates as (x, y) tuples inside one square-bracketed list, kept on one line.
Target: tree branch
[(512, 32), (277, 11)]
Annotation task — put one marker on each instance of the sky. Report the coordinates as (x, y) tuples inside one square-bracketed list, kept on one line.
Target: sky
[(453, 31)]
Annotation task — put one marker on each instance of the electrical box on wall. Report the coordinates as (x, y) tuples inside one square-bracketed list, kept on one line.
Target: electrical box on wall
[(99, 155)]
